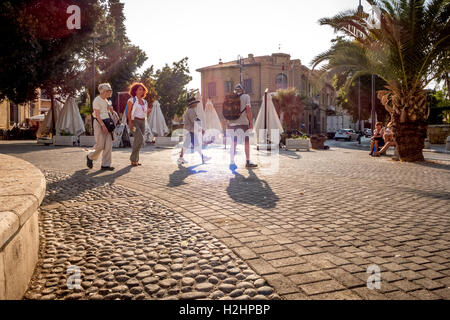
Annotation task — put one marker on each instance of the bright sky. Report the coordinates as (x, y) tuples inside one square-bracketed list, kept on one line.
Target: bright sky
[(206, 30)]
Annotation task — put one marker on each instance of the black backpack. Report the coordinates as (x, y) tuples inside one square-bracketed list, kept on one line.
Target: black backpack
[(232, 107)]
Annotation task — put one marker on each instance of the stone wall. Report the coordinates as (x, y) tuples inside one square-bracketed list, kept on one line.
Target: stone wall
[(22, 189), (437, 134)]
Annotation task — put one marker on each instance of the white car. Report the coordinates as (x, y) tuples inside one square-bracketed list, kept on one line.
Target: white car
[(346, 134), (368, 133)]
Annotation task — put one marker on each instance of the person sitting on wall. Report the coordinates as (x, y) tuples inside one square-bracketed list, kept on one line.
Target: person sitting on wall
[(389, 141), (377, 138)]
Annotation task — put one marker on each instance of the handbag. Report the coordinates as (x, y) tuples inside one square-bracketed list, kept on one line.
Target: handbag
[(109, 124)]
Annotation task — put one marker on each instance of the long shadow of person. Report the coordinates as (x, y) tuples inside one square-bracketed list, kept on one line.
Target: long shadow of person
[(177, 178), (79, 182), (251, 190)]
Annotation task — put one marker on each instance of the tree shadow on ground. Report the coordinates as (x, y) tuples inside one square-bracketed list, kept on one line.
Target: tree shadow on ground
[(177, 177), (431, 164), (252, 190)]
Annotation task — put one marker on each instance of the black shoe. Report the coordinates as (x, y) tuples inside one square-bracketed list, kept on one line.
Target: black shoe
[(89, 163), (107, 168), (251, 165)]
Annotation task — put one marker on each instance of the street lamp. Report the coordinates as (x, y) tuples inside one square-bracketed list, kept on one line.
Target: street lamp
[(94, 36), (360, 12), (240, 68)]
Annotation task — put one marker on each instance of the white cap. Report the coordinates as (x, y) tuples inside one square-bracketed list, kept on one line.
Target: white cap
[(104, 87)]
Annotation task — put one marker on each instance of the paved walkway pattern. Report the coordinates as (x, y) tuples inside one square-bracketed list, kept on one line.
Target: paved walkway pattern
[(129, 247), (311, 230)]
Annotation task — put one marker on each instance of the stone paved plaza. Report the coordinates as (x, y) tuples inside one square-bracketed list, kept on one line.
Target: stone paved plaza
[(307, 228)]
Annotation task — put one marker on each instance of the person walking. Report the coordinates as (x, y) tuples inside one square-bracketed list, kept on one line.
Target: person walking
[(103, 138), (138, 111), (244, 123), (192, 140)]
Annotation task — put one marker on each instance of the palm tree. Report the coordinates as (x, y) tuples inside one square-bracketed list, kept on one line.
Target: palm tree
[(409, 48), (289, 106)]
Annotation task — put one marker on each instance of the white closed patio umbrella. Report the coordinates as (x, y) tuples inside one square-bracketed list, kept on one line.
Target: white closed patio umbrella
[(213, 127), (156, 122), (47, 124), (267, 120), (70, 119)]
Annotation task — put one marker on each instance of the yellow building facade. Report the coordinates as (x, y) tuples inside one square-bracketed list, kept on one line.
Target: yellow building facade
[(277, 71), (11, 113)]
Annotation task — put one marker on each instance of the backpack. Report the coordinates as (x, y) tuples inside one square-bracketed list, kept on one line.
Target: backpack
[(232, 107), (125, 113)]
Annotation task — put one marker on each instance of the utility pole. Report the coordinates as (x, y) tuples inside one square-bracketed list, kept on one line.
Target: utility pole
[(240, 69), (373, 103)]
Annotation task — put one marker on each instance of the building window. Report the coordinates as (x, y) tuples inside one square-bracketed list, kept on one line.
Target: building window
[(303, 85), (13, 113), (228, 86), (44, 95), (211, 89), (281, 81), (248, 86)]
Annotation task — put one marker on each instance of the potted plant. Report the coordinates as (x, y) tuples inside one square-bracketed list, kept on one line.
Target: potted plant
[(297, 141), (65, 139), (318, 140), (168, 141)]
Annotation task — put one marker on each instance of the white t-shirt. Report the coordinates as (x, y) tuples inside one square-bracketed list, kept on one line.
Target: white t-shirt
[(243, 119), (101, 105), (140, 111)]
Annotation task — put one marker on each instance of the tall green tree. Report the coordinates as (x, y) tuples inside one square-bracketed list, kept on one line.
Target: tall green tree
[(408, 49), (347, 97), (170, 84), (117, 60), (38, 49)]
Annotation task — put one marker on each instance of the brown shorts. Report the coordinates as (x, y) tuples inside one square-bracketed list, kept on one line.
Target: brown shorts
[(236, 130)]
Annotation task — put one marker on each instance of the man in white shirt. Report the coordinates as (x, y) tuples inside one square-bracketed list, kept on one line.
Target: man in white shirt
[(243, 123)]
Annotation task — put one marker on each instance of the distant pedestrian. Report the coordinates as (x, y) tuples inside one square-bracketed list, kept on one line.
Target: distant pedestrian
[(138, 111), (103, 138), (244, 123), (192, 140)]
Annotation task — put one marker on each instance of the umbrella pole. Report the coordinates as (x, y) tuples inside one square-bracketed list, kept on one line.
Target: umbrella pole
[(266, 114)]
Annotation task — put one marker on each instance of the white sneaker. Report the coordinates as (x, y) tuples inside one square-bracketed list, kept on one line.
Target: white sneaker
[(181, 161), (205, 159)]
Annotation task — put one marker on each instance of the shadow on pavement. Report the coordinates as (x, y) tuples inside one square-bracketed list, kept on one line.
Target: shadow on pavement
[(290, 154), (81, 181), (430, 164), (177, 178), (252, 190)]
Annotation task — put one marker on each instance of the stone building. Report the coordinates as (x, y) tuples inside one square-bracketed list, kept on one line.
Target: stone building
[(11, 113), (277, 71)]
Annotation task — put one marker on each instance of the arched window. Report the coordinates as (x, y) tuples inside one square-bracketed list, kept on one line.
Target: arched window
[(303, 85), (281, 81)]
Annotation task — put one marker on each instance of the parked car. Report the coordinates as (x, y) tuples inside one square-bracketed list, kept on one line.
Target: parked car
[(346, 134), (368, 132)]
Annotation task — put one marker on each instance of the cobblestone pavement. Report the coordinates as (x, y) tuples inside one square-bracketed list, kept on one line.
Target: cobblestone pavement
[(311, 230), (129, 247)]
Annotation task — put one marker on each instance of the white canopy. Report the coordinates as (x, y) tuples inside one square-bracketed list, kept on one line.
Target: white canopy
[(273, 121), (211, 117), (70, 119), (156, 122), (46, 125)]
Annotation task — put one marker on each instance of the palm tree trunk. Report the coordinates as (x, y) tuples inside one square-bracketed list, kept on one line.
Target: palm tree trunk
[(410, 138)]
